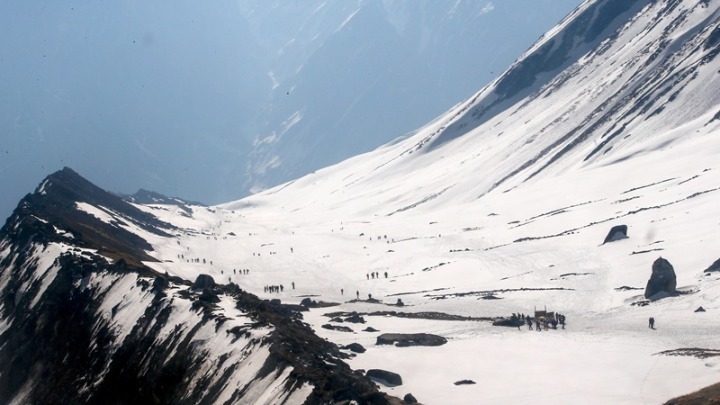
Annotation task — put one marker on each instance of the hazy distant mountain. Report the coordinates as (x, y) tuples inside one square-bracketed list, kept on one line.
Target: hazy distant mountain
[(355, 75), (201, 97)]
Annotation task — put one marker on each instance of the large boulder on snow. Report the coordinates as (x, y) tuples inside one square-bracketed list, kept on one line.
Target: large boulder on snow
[(355, 348), (662, 279), (410, 339), (203, 282), (387, 378), (617, 232), (410, 399)]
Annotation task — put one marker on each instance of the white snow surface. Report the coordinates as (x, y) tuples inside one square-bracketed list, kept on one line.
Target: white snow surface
[(516, 206), (310, 234)]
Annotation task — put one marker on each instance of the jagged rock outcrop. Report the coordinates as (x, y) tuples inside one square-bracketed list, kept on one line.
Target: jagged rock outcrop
[(143, 196), (56, 207), (662, 279)]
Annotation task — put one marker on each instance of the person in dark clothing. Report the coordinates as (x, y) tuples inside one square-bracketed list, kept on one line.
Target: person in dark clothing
[(529, 322), (651, 323)]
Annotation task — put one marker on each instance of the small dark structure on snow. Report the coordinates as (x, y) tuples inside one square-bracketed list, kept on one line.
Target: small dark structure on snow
[(410, 339), (617, 232)]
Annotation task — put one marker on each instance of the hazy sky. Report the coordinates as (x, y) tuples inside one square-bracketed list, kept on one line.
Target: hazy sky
[(164, 95)]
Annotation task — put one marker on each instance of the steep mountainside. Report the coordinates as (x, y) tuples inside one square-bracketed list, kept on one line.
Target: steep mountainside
[(330, 97), (83, 320), (614, 80)]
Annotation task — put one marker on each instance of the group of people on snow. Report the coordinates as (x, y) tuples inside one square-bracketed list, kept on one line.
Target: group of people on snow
[(540, 322), (274, 288), (373, 275)]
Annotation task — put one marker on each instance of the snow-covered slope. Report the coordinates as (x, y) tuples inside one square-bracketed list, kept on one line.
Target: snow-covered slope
[(512, 193), (650, 83), (499, 207), (83, 320)]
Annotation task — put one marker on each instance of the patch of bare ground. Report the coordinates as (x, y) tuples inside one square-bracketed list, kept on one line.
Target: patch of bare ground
[(494, 292), (436, 316), (691, 351), (706, 396)]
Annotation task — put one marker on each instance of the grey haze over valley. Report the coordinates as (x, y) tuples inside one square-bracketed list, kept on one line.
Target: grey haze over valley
[(213, 101)]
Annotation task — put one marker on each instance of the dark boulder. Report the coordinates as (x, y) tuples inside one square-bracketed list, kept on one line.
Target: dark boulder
[(700, 309), (617, 232), (512, 321), (370, 329), (387, 378), (203, 281), (337, 328), (662, 279), (410, 339), (410, 399), (355, 318), (714, 267), (465, 382), (308, 303), (355, 348)]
